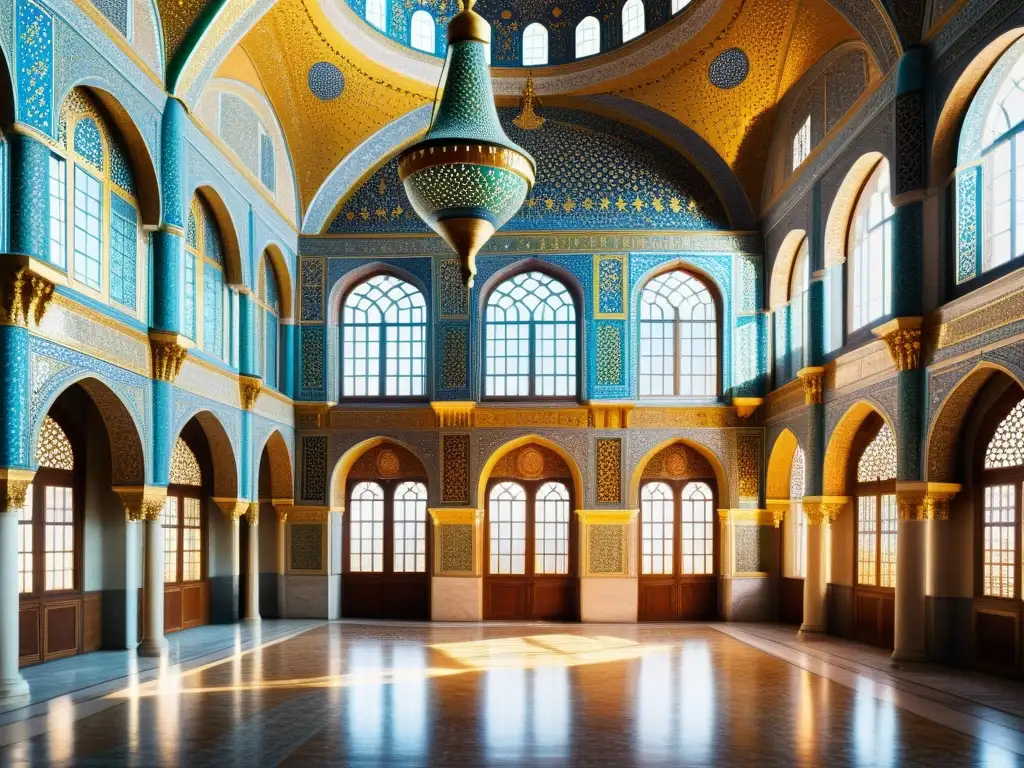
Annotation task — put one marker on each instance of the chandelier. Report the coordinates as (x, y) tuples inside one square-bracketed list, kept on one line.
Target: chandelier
[(466, 178)]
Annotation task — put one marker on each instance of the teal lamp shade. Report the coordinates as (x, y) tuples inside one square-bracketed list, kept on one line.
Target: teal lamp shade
[(466, 178)]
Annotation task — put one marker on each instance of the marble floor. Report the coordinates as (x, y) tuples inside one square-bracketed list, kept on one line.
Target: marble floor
[(382, 694)]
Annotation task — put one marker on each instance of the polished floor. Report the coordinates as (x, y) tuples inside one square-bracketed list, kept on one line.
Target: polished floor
[(513, 695)]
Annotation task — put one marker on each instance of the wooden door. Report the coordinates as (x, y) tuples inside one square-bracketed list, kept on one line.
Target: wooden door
[(385, 571), (186, 583), (530, 551)]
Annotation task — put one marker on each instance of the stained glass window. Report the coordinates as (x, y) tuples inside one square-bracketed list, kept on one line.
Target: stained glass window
[(678, 337), (535, 46), (410, 528), (551, 542), (507, 516), (530, 339), (657, 533), (384, 339), (366, 529), (633, 23), (1006, 448), (869, 250), (878, 462), (184, 465), (424, 32), (588, 37), (1003, 172)]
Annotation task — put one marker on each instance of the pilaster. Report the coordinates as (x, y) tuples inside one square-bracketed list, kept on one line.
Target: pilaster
[(456, 591), (609, 590)]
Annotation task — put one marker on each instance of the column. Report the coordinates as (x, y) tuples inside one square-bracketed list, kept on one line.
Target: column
[(252, 587), (169, 239), (150, 507), (821, 512), (609, 590), (15, 483), (457, 586), (282, 559)]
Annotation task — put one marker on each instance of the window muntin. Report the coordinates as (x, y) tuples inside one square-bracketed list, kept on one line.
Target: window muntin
[(678, 337), (678, 5), (424, 31), (802, 143), (171, 522), (366, 529), (1006, 448), (124, 229), (869, 251), (410, 528), (633, 23), (698, 525), (384, 314), (377, 14), (191, 540), (530, 339), (551, 524), (88, 232), (58, 211), (588, 37), (867, 540), (535, 46), (59, 535), (657, 529)]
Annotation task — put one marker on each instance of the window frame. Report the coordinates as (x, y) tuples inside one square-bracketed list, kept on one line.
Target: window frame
[(852, 260), (531, 488), (593, 25), (530, 30), (389, 487), (383, 8), (532, 374), (879, 491), (181, 493), (627, 16), (201, 259), (802, 143), (264, 311), (416, 27), (678, 486)]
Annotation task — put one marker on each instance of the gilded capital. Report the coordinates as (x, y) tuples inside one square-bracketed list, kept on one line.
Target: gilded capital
[(249, 388), (455, 413), (778, 509), (168, 353), (903, 338), (252, 514), (924, 501), (823, 510), (142, 502), (15, 483), (745, 406), (24, 295), (233, 508), (813, 380)]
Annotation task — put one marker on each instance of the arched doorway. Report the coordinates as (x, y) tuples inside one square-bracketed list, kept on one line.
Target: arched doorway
[(530, 543), (274, 487), (385, 570), (679, 549), (785, 491)]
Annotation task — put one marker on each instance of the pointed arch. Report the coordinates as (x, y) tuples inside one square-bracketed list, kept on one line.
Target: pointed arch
[(340, 290), (837, 225), (279, 462), (227, 230), (780, 465), (222, 453), (339, 476), (637, 474), (840, 446), (778, 291), (285, 291), (519, 442)]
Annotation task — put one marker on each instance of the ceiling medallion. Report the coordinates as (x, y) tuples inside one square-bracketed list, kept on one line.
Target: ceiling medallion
[(530, 463), (729, 69), (466, 178), (325, 81), (388, 463)]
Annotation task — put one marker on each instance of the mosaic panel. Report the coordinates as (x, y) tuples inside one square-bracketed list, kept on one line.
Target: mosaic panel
[(34, 32), (456, 544), (967, 230), (729, 69), (455, 469), (314, 468), (53, 449), (593, 174), (307, 547), (116, 12), (610, 282), (454, 357), (313, 359), (609, 353), (753, 548), (910, 142), (609, 470), (845, 81), (605, 547), (453, 297), (749, 465), (311, 276)]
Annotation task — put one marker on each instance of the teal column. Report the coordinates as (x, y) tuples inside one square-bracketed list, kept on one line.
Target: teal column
[(248, 359), (817, 344), (29, 197), (14, 389), (288, 354), (169, 240), (249, 479), (163, 440)]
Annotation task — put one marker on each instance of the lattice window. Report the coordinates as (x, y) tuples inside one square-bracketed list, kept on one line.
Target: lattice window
[(588, 37), (869, 251), (54, 449), (999, 548), (802, 143), (26, 546), (530, 339), (410, 528), (657, 529), (796, 474), (796, 550), (507, 515), (698, 529), (678, 337), (424, 31), (377, 13), (1006, 448), (633, 23), (878, 462), (171, 523), (59, 536), (535, 46), (384, 314), (867, 540), (551, 543), (366, 529), (184, 465)]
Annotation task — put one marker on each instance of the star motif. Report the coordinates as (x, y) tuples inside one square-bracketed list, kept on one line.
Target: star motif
[(621, 204), (588, 204), (549, 204), (568, 205), (675, 205), (639, 204), (605, 202), (657, 205)]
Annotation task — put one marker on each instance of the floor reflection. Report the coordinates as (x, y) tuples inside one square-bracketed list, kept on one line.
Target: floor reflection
[(348, 694)]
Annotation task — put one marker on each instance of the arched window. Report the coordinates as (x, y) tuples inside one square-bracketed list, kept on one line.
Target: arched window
[(366, 529), (588, 37), (267, 320), (876, 511), (802, 143), (678, 337), (513, 516), (507, 516), (869, 251), (657, 524), (377, 13), (1001, 522), (799, 279), (384, 340), (530, 339), (183, 518), (535, 45), (424, 31), (678, 5), (410, 528), (99, 218), (551, 542), (1003, 171), (659, 521), (796, 527), (203, 280), (633, 24)]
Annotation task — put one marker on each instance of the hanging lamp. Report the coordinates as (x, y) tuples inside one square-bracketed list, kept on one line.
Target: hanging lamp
[(466, 178)]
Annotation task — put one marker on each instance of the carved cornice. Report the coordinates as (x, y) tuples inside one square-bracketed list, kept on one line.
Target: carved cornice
[(296, 514), (456, 413), (903, 338), (14, 484), (746, 516), (606, 516), (813, 380), (925, 501), (453, 516), (249, 388), (142, 503), (26, 289), (823, 510), (168, 353)]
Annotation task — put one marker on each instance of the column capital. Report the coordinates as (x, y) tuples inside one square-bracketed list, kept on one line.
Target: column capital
[(778, 509), (142, 502), (252, 514), (823, 510), (745, 406), (902, 336), (26, 289), (233, 508), (14, 485), (249, 388), (924, 501), (168, 353), (813, 380)]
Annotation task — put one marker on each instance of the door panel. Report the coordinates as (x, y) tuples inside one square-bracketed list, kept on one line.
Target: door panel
[(554, 599), (61, 630), (507, 598), (657, 600), (874, 612)]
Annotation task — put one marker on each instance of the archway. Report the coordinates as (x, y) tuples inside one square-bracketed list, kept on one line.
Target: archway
[(274, 484), (679, 542), (785, 491), (528, 490)]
